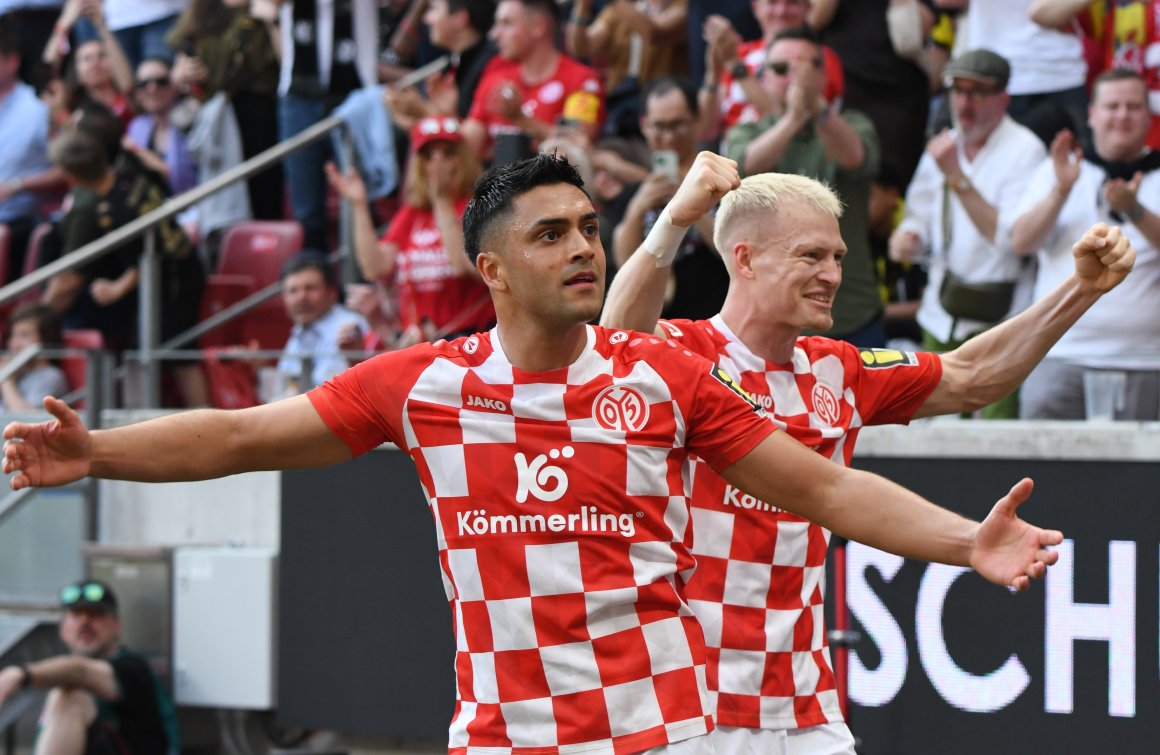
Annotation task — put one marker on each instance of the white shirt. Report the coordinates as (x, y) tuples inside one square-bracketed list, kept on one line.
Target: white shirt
[(125, 14), (1122, 329), (1042, 59), (320, 340), (999, 174)]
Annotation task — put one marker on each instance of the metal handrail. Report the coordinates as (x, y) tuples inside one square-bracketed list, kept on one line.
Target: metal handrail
[(182, 202), (170, 208)]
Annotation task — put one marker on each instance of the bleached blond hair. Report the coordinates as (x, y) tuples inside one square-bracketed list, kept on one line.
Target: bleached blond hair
[(762, 195)]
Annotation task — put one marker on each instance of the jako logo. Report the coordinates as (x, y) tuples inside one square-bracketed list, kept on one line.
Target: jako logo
[(470, 345), (547, 483), (618, 407), (487, 403)]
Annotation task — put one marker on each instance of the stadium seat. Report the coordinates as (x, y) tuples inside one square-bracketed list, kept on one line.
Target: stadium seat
[(5, 244), (35, 241), (75, 368), (251, 257)]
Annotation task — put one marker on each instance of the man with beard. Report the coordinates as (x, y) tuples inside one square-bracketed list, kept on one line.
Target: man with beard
[(959, 210), (104, 699)]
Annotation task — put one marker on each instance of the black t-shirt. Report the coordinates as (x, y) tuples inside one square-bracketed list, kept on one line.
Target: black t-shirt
[(859, 34), (469, 71), (139, 715), (135, 192)]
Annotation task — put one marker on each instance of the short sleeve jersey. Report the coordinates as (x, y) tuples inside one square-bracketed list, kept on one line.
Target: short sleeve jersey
[(562, 526), (428, 286), (574, 91), (758, 588)]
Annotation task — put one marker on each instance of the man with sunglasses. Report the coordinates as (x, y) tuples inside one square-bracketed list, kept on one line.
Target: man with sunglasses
[(806, 135), (103, 698), (960, 207)]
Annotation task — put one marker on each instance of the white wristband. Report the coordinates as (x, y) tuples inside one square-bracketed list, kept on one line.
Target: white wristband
[(664, 239)]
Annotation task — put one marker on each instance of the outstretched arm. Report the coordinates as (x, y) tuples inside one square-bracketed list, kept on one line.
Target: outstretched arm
[(195, 445), (875, 511), (637, 294), (91, 674), (991, 365)]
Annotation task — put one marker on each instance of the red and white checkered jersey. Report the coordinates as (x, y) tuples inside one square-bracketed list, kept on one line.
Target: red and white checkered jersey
[(759, 586), (563, 528)]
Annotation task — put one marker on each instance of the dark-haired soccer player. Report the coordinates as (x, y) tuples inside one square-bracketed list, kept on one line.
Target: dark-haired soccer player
[(550, 452)]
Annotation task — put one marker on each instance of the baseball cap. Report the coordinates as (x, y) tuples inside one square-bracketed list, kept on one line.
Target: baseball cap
[(979, 65), (434, 129), (90, 593)]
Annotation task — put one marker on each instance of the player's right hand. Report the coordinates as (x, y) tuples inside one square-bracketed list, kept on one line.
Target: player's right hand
[(711, 177), (46, 454)]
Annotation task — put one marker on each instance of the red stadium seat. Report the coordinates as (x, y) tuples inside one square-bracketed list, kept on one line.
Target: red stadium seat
[(5, 245), (35, 240), (75, 368), (31, 258), (251, 258)]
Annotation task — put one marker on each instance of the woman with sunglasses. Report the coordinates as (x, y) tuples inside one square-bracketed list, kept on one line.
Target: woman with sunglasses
[(152, 136), (422, 250)]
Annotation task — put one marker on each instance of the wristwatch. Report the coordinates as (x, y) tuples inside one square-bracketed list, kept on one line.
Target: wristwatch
[(961, 184), (740, 71)]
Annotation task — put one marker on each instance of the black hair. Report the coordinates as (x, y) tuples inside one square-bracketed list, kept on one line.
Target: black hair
[(663, 85), (9, 41), (548, 7), (480, 13), (497, 188), (167, 62), (310, 259), (804, 33)]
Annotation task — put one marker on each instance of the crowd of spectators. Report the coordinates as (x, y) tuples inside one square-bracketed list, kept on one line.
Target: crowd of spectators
[(931, 119)]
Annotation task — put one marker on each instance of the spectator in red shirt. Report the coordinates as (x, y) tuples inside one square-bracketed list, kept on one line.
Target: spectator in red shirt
[(422, 251), (531, 84)]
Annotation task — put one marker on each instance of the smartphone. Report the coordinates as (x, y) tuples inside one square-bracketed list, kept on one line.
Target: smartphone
[(665, 162)]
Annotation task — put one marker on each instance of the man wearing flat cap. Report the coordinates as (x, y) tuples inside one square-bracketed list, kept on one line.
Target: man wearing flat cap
[(103, 698), (959, 211)]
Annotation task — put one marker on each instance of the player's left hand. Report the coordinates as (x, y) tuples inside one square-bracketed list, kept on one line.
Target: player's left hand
[(1103, 257), (1009, 551)]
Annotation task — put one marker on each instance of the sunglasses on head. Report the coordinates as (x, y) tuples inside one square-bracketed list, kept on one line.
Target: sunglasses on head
[(159, 81), (90, 592)]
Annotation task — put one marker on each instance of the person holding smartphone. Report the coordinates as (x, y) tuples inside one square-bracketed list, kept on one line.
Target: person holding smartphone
[(698, 282)]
